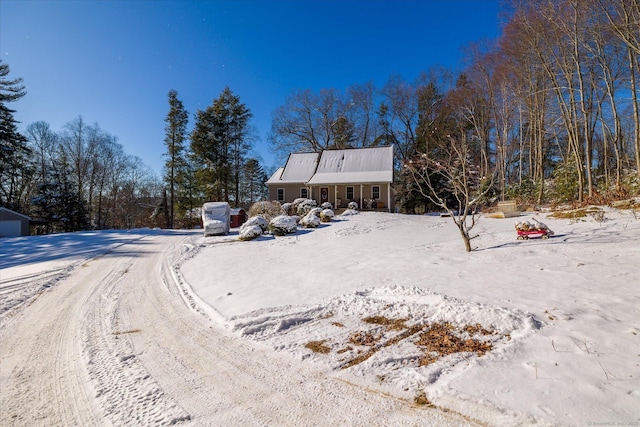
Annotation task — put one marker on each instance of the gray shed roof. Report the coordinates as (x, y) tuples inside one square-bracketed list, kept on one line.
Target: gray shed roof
[(6, 213)]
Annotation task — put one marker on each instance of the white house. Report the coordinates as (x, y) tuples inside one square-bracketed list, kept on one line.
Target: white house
[(363, 175)]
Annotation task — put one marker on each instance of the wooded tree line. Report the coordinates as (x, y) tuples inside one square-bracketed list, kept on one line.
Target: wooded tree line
[(81, 178), (546, 113), (77, 179)]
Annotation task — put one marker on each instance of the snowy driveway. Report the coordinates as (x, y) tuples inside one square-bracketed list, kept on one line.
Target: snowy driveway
[(112, 343)]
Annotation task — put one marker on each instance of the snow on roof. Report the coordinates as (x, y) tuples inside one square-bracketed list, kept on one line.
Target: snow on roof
[(300, 167), (355, 166), (275, 178)]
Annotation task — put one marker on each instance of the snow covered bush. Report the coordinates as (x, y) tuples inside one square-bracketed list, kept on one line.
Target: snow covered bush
[(304, 206), (326, 215), (310, 220), (315, 211), (283, 224), (353, 206), (266, 209), (258, 220), (288, 208), (348, 212), (326, 205), (250, 232)]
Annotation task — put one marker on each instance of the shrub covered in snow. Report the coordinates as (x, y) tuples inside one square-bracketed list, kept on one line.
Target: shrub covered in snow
[(310, 220), (326, 205), (326, 215), (304, 206), (283, 224), (250, 232), (266, 209), (353, 206), (288, 209), (350, 212), (258, 220), (315, 211)]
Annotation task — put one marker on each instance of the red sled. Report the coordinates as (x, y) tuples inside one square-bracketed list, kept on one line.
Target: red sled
[(527, 234)]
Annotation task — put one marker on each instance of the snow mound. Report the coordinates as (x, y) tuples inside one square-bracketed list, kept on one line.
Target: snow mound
[(349, 212), (384, 333)]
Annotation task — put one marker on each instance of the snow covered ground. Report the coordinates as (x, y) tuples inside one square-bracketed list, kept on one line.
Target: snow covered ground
[(516, 332)]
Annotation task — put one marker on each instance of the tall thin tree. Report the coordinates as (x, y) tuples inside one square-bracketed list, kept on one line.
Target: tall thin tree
[(175, 135)]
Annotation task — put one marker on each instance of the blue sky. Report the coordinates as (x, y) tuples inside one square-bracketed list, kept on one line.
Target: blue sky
[(114, 61)]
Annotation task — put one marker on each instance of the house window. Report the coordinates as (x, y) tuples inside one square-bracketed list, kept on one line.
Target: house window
[(304, 193), (349, 193), (375, 192), (281, 194)]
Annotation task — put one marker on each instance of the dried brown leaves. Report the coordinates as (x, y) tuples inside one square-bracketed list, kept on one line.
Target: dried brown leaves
[(442, 339), (318, 347), (436, 340)]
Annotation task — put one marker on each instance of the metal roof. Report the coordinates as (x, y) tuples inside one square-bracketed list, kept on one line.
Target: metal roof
[(275, 178), (361, 165), (349, 166), (6, 213), (300, 167)]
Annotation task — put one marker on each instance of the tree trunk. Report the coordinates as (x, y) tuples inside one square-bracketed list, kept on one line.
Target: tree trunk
[(465, 237), (165, 208)]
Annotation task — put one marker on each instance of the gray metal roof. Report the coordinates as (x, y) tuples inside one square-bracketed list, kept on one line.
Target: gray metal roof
[(300, 167), (349, 166), (361, 165)]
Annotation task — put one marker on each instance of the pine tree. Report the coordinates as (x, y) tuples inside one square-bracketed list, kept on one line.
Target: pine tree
[(253, 182), (175, 135), (219, 143), (15, 168)]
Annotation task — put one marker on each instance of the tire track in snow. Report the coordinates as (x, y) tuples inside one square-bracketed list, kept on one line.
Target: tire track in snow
[(124, 389), (61, 349), (42, 375)]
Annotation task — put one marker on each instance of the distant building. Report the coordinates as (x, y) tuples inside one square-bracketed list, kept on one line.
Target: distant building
[(361, 175), (13, 224)]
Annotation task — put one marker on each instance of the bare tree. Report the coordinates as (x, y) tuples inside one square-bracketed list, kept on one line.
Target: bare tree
[(360, 110), (309, 121), (624, 17), (44, 142), (462, 180)]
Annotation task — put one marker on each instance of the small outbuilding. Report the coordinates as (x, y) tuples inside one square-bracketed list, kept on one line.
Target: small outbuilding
[(238, 217), (13, 224)]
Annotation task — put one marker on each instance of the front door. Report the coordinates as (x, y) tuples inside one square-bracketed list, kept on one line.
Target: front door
[(324, 195)]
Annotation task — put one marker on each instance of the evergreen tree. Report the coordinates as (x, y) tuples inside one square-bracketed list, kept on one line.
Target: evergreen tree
[(175, 135), (15, 167), (344, 134), (57, 203), (219, 143), (253, 183), (188, 197)]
